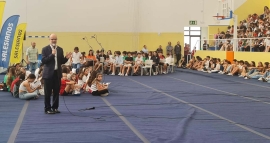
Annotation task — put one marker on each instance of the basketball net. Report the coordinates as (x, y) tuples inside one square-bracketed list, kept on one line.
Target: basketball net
[(217, 20)]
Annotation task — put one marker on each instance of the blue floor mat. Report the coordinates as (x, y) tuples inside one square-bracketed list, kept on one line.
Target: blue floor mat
[(252, 114), (233, 84), (98, 125), (156, 116), (10, 109), (181, 123)]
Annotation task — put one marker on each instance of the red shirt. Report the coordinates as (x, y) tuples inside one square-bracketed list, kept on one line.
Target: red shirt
[(161, 57), (13, 83), (63, 86)]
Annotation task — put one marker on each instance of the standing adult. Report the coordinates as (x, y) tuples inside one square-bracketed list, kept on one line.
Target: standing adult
[(169, 49), (144, 49), (32, 57), (186, 52), (177, 51), (52, 58), (159, 49), (76, 59)]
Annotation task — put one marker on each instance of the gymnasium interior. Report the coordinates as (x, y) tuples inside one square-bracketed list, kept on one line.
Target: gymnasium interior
[(214, 89)]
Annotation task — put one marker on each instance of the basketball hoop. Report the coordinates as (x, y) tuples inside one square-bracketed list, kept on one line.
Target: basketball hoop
[(218, 18)]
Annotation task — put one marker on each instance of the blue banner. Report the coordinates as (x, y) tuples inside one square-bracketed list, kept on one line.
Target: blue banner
[(6, 39)]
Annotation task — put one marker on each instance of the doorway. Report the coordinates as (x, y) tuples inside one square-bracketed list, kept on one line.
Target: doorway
[(192, 36)]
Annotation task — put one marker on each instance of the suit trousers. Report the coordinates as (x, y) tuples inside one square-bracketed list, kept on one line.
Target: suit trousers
[(52, 86), (178, 57)]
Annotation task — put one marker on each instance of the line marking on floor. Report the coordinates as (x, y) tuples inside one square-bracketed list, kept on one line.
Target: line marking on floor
[(249, 98), (18, 124), (145, 140), (253, 84), (209, 112), (242, 82)]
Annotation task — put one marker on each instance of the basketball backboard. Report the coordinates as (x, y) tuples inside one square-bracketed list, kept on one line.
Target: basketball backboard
[(225, 9)]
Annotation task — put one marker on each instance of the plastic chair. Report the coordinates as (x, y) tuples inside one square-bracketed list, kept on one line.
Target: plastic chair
[(147, 64), (171, 65)]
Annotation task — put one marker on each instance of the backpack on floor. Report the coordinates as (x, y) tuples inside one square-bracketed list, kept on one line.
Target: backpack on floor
[(4, 87), (15, 91)]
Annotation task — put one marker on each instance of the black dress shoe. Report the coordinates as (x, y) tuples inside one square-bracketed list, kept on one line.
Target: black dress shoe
[(56, 111), (49, 112)]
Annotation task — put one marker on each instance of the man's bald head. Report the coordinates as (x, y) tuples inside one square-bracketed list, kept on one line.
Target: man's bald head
[(53, 39), (33, 44)]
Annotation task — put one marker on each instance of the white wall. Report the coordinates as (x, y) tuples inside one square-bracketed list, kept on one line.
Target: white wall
[(74, 15), (113, 15)]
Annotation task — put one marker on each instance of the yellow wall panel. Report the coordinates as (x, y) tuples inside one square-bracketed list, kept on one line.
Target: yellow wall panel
[(252, 56), (110, 41), (153, 40), (214, 54), (245, 56), (250, 7), (212, 30)]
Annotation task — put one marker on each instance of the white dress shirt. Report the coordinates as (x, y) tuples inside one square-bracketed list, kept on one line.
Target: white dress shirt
[(55, 57)]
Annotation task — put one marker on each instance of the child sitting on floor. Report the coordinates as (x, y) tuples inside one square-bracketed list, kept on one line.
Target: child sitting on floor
[(90, 80), (98, 88), (67, 87), (25, 91)]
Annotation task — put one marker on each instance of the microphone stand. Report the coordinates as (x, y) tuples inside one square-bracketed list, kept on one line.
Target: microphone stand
[(86, 40), (95, 37)]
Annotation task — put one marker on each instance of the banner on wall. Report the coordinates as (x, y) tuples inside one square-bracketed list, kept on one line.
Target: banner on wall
[(2, 9), (6, 39), (17, 46)]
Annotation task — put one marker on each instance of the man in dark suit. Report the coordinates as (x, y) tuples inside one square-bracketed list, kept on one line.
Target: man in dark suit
[(52, 58)]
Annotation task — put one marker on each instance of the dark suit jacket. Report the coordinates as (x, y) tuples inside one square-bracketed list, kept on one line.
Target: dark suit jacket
[(49, 62)]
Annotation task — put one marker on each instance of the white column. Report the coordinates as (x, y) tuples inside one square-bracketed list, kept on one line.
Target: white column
[(235, 41)]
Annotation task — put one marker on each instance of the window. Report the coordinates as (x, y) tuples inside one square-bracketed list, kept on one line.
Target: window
[(195, 32), (187, 39), (186, 28), (195, 28), (186, 32), (192, 36)]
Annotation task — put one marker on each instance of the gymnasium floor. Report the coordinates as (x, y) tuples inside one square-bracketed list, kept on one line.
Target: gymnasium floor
[(182, 107)]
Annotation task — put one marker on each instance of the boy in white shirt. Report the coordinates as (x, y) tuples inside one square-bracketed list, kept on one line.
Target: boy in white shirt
[(138, 63), (167, 63), (76, 59), (118, 63)]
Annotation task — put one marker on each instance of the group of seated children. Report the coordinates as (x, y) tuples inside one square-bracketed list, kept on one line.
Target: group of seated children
[(25, 85), (21, 83), (87, 80), (129, 63), (245, 69)]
